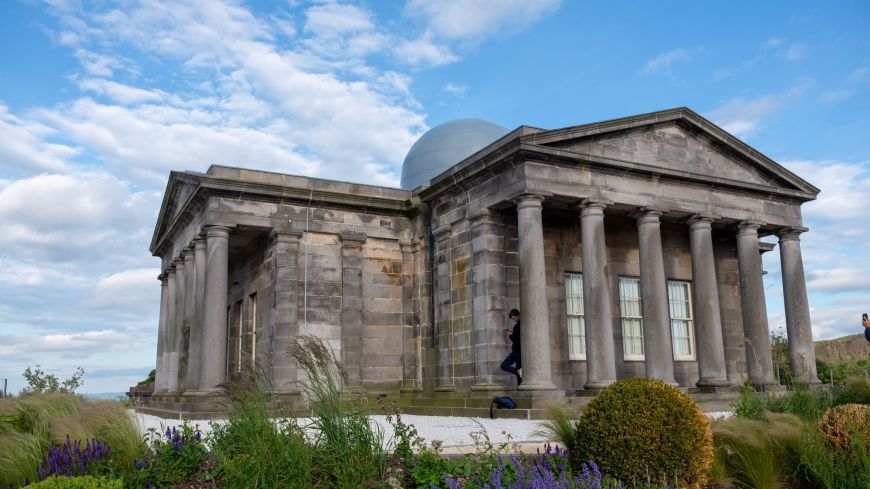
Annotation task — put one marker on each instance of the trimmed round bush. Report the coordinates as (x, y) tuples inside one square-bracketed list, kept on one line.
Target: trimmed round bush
[(857, 391), (640, 429), (842, 424)]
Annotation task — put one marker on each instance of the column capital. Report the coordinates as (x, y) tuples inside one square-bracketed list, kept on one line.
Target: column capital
[(187, 252), (749, 226), (163, 279), (199, 243), (179, 263), (701, 221), (530, 200), (215, 231), (407, 245), (590, 207), (791, 233), (484, 216), (441, 231), (352, 240), (285, 235), (648, 215), (169, 270)]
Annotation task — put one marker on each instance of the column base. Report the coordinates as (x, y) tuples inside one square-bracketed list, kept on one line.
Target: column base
[(445, 388), (214, 392), (411, 390), (537, 386), (713, 385), (598, 384), (286, 391), (489, 387)]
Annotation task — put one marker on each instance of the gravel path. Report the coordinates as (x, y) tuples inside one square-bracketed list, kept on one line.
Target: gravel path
[(455, 433)]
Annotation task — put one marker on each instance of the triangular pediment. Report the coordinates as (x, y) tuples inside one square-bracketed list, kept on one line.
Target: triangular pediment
[(179, 190), (678, 141)]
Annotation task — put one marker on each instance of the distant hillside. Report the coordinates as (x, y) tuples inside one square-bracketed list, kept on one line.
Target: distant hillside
[(852, 347)]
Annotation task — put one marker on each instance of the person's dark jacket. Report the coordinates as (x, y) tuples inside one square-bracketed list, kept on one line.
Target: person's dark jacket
[(516, 339), (866, 333)]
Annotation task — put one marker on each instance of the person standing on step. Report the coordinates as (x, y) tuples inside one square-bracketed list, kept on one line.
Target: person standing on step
[(515, 356)]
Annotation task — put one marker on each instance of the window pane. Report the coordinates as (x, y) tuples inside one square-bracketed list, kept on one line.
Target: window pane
[(574, 309), (680, 308)]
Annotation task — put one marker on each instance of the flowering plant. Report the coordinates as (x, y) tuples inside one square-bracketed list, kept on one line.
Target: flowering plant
[(73, 459), (173, 456)]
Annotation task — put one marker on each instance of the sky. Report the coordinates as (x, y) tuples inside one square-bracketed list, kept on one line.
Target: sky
[(100, 100)]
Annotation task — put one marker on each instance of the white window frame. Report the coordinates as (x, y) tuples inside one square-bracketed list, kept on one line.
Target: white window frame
[(625, 319), (690, 320), (573, 295)]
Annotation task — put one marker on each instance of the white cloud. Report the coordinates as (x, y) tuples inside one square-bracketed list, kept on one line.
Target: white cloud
[(475, 19), (834, 96), (455, 89), (795, 51), (84, 343), (132, 292), (664, 61), (118, 92), (26, 146), (838, 279), (742, 117), (424, 51)]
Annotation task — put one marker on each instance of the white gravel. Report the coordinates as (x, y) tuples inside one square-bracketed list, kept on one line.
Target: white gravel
[(453, 432)]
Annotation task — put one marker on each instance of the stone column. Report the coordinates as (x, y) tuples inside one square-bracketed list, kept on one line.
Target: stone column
[(487, 247), (160, 374), (797, 306), (197, 336), (285, 325), (535, 319), (597, 299), (753, 308), (184, 374), (657, 341), (411, 353), (176, 338), (170, 327), (194, 301), (351, 306), (214, 327), (443, 306), (708, 321)]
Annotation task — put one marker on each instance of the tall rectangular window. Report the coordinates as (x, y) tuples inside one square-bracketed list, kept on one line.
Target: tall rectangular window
[(576, 324), (631, 314), (239, 336), (682, 326), (252, 327)]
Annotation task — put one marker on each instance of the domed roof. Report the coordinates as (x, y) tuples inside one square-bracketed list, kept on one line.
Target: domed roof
[(444, 146)]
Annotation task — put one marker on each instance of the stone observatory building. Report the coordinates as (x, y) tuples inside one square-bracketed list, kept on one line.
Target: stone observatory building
[(630, 246)]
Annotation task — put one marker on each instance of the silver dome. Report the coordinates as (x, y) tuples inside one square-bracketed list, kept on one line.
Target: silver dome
[(444, 146)]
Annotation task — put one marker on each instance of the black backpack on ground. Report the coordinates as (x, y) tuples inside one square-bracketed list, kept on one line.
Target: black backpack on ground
[(501, 402)]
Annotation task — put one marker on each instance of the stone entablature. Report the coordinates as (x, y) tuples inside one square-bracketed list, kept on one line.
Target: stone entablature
[(411, 289)]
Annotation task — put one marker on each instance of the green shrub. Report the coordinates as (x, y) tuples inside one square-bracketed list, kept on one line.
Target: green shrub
[(640, 430), (761, 454), (348, 447), (846, 426), (20, 455), (251, 450), (857, 391), (84, 482), (750, 405), (173, 457), (826, 467)]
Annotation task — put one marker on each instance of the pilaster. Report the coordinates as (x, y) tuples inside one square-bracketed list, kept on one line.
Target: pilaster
[(412, 380), (488, 292), (351, 306), (284, 314), (160, 374), (443, 306)]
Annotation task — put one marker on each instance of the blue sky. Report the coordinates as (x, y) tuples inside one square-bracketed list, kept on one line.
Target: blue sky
[(99, 101)]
